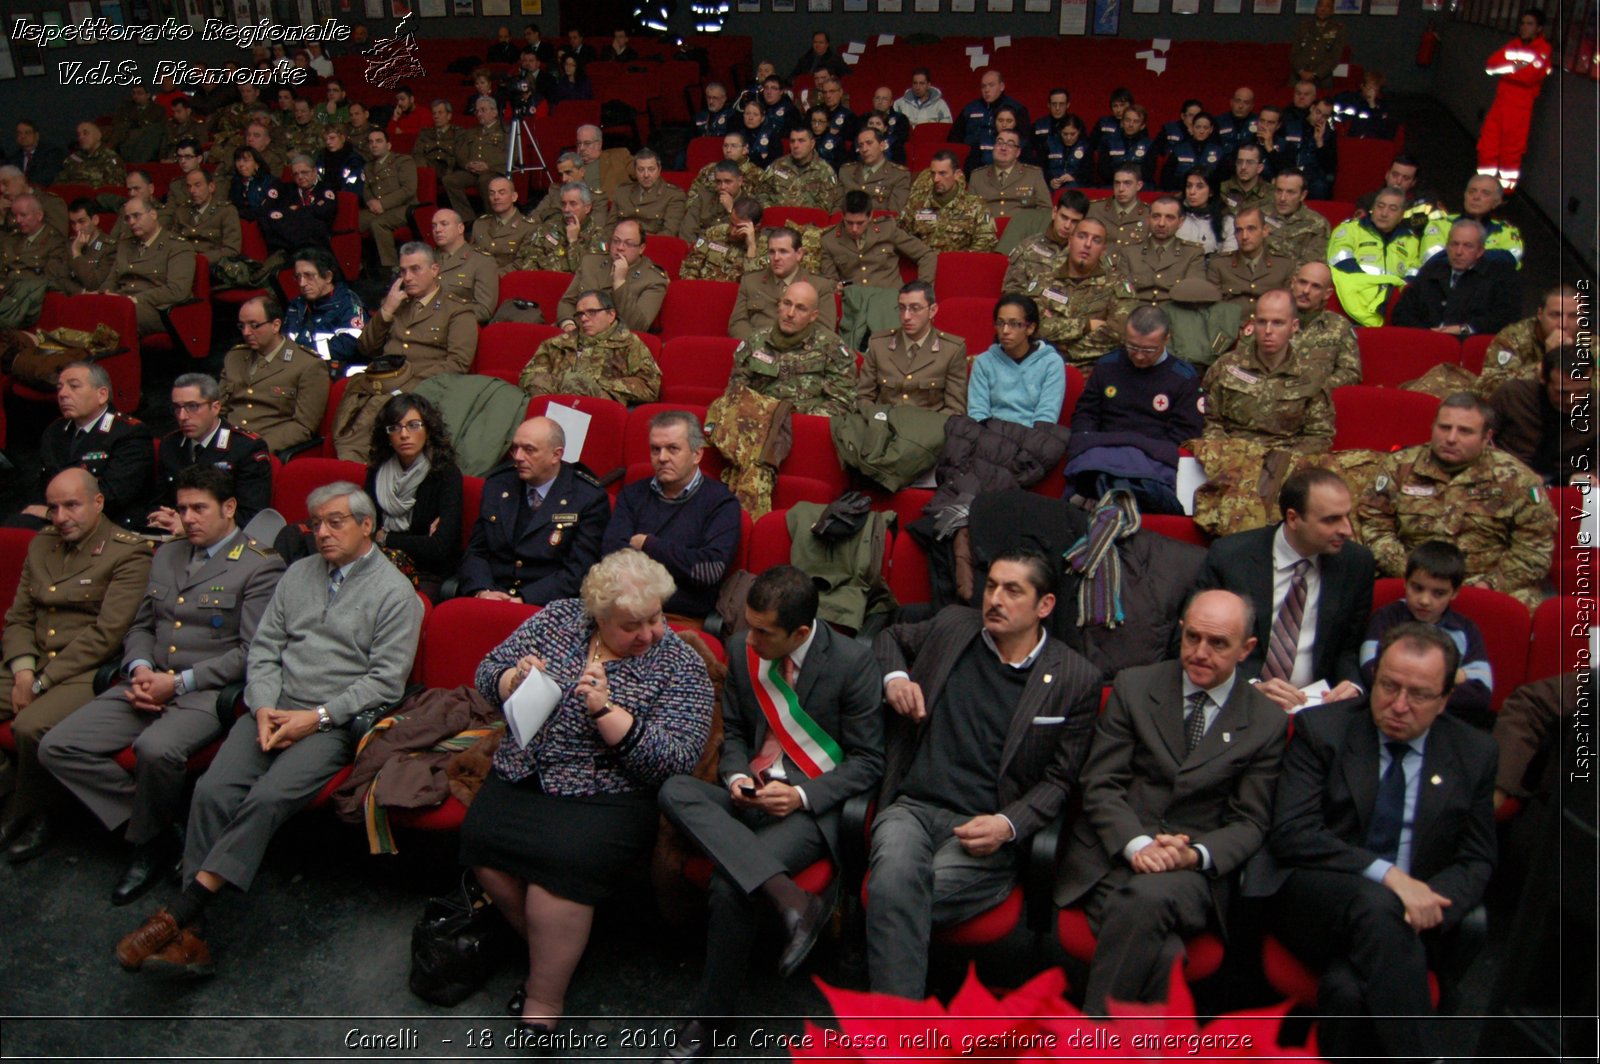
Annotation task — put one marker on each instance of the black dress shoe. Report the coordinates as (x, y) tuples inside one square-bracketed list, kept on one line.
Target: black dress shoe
[(694, 1042), (32, 842), (804, 927), (12, 830), (515, 1002), (149, 862)]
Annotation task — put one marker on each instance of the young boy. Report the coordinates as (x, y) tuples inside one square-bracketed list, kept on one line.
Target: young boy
[(1434, 572)]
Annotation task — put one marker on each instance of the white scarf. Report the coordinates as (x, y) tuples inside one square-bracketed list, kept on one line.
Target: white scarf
[(397, 490)]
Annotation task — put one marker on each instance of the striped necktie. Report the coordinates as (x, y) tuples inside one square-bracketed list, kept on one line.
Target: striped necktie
[(1285, 641)]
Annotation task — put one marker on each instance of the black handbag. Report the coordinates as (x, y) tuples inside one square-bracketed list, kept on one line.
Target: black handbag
[(456, 944)]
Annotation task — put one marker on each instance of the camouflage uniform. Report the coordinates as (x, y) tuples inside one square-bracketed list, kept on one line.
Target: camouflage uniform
[(1242, 281), (1301, 238), (1068, 304), (957, 222), (227, 125), (138, 133), (814, 369), (789, 184), (1333, 340), (96, 168), (1494, 510), (303, 140), (705, 209), (1034, 263), (704, 185), (1516, 353), (500, 239), (437, 148), (613, 365), (715, 256), (1289, 407), (1123, 227), (889, 186), (546, 248), (1239, 198)]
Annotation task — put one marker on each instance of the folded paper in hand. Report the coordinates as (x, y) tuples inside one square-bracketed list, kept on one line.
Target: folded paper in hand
[(530, 705)]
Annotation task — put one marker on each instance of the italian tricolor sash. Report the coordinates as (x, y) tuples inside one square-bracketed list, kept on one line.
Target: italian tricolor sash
[(802, 738)]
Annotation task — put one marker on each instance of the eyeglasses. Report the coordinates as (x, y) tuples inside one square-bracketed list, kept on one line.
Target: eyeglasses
[(335, 522), (581, 313), (1008, 323), (1413, 695), (188, 408), (251, 326), (617, 240), (414, 425), (1138, 349)]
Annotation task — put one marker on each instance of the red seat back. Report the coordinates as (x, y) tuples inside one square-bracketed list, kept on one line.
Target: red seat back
[(665, 251), (1381, 419), (697, 308), (544, 287), (695, 369), (1392, 355), (505, 347), (461, 633), (1560, 637), (969, 317), (1504, 622), (971, 273), (297, 479), (602, 446)]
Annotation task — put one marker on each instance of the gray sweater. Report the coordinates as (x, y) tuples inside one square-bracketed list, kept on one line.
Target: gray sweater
[(348, 656)]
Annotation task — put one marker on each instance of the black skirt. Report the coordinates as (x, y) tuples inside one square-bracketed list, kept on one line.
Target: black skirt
[(577, 848)]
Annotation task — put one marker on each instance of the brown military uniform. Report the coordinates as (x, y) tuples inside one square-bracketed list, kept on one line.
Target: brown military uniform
[(1495, 510), (86, 272), (73, 605), (889, 185), (1242, 281), (659, 209), (212, 230), (498, 238), (638, 300), (53, 206), (705, 208), (469, 275), (176, 131), (931, 374), (358, 140), (476, 145), (1288, 407), (158, 275), (756, 308), (392, 181), (1123, 227), (437, 148), (43, 255), (875, 260), (1021, 188), (1153, 268), (436, 334), (280, 398)]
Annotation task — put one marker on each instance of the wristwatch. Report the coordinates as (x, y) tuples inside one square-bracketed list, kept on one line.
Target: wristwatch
[(38, 686), (324, 722)]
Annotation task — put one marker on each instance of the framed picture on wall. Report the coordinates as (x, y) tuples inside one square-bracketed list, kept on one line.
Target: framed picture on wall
[(8, 66), (463, 8), (1346, 7), (963, 7), (854, 5), (1074, 18), (819, 5), (1305, 7), (533, 7), (747, 7), (496, 8), (430, 8), (783, 5), (1107, 16), (1267, 7), (1146, 7), (1002, 7), (891, 7), (1226, 7)]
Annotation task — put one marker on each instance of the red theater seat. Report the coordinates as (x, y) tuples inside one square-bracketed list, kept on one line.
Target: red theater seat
[(695, 369), (1392, 355), (697, 308), (505, 348), (1503, 620), (1381, 419)]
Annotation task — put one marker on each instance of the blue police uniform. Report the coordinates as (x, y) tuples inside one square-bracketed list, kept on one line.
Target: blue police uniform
[(1357, 118), (1076, 162), (899, 132), (1119, 148), (975, 124), (330, 327), (1188, 157), (344, 172), (715, 123), (1320, 165), (1173, 135), (537, 555), (765, 146), (783, 116), (842, 123), (1231, 132), (1104, 126), (834, 150)]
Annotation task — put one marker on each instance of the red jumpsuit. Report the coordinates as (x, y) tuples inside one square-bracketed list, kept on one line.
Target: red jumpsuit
[(1522, 67)]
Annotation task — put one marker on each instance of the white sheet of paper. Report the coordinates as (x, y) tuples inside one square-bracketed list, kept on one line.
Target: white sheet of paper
[(979, 60), (529, 706), (1190, 476), (885, 39), (1157, 65), (1342, 70), (851, 57), (1148, 53), (1315, 694), (1161, 44), (974, 49), (575, 423), (1002, 42), (855, 46)]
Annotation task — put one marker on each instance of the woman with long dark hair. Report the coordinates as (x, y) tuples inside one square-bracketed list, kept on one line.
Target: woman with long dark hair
[(1206, 221), (414, 480)]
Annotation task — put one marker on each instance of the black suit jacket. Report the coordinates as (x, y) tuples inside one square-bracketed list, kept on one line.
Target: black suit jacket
[(117, 449), (43, 165), (1329, 786), (1049, 732), (1139, 781), (545, 555), (235, 450), (439, 498), (841, 688), (1487, 297), (1242, 563)]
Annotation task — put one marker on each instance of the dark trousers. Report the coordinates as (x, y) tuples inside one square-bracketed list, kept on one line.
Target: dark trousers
[(1374, 965), (748, 847), (1140, 921)]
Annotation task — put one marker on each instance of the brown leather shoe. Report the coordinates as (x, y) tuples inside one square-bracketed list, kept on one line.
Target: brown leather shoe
[(152, 936), (185, 958)]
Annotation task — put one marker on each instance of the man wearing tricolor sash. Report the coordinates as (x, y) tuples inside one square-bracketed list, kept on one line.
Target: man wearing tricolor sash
[(994, 720), (803, 732)]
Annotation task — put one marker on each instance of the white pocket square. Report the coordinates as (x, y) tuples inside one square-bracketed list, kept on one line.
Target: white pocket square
[(1048, 720)]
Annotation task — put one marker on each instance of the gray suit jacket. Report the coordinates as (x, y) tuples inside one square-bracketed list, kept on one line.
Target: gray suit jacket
[(1049, 731), (1138, 780), (203, 622), (840, 687)]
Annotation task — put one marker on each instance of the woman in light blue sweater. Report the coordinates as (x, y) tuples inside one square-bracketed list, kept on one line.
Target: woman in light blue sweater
[(1018, 379)]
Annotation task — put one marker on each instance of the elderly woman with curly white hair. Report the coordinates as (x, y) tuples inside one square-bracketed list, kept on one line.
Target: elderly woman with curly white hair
[(558, 821)]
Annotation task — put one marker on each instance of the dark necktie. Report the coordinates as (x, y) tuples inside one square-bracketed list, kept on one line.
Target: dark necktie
[(1389, 811), (1195, 729), (1285, 640)]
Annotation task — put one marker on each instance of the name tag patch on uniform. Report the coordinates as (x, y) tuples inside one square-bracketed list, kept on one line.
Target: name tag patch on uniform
[(927, 216), (762, 356), (1055, 297), (1416, 489), (1248, 378)]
